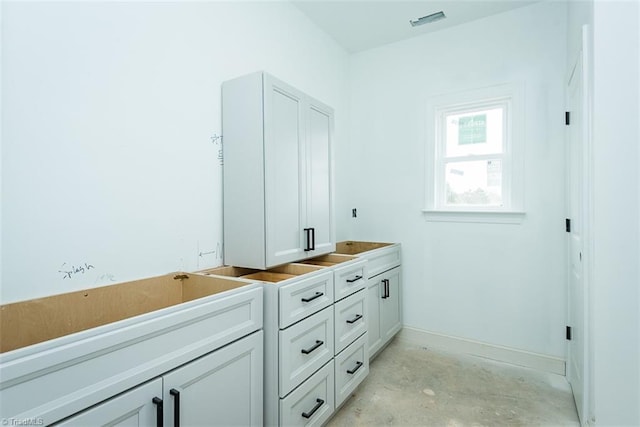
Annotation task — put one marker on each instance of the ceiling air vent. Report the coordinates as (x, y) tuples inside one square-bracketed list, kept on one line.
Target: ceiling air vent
[(428, 19)]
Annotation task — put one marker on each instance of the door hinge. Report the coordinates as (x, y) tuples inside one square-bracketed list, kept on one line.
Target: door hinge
[(567, 118), (567, 225), (568, 333)]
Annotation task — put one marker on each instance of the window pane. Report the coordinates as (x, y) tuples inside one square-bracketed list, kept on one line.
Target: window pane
[(477, 183), (478, 132)]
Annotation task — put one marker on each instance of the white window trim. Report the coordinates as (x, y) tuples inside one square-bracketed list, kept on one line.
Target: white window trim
[(513, 209)]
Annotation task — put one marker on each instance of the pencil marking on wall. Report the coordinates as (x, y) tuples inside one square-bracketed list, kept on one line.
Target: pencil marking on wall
[(69, 271), (217, 140), (107, 277), (217, 252)]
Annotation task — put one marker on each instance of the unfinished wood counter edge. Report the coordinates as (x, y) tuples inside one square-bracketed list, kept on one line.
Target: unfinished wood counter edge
[(31, 322), (97, 364)]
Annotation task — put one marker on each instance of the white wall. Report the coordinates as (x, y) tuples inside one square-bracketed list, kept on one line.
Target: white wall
[(616, 278), (494, 283), (108, 110)]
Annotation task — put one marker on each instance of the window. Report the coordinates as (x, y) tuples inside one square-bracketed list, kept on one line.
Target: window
[(474, 162)]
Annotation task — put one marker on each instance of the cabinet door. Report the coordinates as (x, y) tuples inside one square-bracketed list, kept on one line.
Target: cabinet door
[(223, 388), (390, 305), (285, 155), (319, 197), (373, 319), (132, 408)]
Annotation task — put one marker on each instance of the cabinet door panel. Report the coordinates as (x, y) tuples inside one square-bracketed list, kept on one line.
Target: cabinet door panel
[(319, 197), (373, 320), (390, 309), (284, 168), (129, 409), (223, 388)]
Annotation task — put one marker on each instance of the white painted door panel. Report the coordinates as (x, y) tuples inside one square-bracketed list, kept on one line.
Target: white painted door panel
[(284, 172), (390, 309), (223, 388), (577, 346), (373, 321), (319, 198), (129, 409)]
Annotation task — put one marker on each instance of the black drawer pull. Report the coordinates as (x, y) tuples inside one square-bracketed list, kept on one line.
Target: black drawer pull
[(316, 345), (176, 406), (159, 412), (317, 295), (353, 371), (319, 403), (355, 279), (355, 319)]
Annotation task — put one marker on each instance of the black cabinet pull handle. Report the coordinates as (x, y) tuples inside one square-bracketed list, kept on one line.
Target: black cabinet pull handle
[(316, 345), (355, 279), (316, 295), (385, 290), (353, 371), (309, 232), (387, 286), (313, 239), (176, 406), (159, 411), (355, 319), (319, 403)]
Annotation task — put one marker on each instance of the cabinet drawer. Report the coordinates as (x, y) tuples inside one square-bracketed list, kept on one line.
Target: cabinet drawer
[(352, 366), (381, 260), (349, 279), (312, 403), (304, 348), (350, 319), (304, 297)]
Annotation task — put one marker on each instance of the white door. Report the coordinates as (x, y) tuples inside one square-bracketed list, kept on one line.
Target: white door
[(284, 172), (133, 408), (223, 388), (577, 303), (318, 195)]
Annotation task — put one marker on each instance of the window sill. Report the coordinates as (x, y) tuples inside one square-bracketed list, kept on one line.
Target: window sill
[(488, 217)]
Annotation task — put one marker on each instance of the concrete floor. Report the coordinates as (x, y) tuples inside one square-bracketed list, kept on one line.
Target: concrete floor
[(413, 386)]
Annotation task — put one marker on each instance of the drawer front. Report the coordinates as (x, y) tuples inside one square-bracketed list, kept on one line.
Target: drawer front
[(312, 403), (352, 366), (349, 279), (381, 260), (304, 297), (304, 348), (350, 319)]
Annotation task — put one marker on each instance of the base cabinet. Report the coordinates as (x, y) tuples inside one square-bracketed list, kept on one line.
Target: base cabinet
[(222, 388), (385, 308)]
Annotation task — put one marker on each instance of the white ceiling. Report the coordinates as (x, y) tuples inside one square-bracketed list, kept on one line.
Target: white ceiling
[(364, 24)]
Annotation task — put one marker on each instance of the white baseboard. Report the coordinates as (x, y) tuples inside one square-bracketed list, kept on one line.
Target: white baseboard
[(452, 344)]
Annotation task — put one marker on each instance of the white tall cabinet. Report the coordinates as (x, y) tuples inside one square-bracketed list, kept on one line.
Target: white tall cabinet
[(278, 196)]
